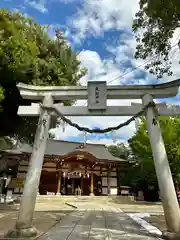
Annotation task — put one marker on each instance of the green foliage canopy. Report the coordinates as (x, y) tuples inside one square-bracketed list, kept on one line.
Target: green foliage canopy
[(120, 150), (141, 174), (154, 28), (29, 55), (141, 148), (125, 175)]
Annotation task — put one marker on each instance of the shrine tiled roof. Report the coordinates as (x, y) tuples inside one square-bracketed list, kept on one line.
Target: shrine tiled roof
[(62, 148)]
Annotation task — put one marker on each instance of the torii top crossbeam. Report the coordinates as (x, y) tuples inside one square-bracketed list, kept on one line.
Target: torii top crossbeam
[(164, 90)]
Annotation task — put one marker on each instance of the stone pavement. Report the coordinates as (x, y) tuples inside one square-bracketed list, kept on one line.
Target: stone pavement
[(43, 220), (105, 223), (93, 219)]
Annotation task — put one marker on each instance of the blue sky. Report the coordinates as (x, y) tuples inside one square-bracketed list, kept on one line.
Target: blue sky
[(100, 30)]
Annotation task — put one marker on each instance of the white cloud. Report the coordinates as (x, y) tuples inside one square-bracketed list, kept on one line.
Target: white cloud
[(39, 5), (95, 17), (65, 1), (108, 69), (104, 141), (101, 70)]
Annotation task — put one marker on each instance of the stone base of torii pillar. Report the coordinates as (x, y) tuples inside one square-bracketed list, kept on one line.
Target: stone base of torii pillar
[(31, 233), (170, 235)]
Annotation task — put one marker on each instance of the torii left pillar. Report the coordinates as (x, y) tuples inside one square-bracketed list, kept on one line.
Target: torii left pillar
[(23, 227)]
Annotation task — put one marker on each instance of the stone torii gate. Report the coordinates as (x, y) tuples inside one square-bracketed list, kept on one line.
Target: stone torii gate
[(97, 94)]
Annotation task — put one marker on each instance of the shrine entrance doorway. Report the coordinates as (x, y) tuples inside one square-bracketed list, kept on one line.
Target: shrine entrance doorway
[(84, 183), (74, 181)]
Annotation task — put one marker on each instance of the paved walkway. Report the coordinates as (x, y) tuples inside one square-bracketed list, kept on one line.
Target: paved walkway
[(106, 223)]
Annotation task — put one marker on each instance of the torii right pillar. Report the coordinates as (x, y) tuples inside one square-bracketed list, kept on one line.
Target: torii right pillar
[(163, 172)]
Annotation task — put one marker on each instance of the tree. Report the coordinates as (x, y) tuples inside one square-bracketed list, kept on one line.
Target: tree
[(144, 172), (120, 150), (154, 27), (140, 145), (125, 175), (5, 143), (29, 55)]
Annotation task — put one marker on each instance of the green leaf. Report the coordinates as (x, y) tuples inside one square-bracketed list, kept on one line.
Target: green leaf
[(154, 28), (29, 55), (141, 148)]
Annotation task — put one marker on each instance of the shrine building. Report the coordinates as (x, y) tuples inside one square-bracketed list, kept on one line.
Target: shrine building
[(68, 166)]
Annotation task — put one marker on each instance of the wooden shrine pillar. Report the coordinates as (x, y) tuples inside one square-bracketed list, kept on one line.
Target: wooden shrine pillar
[(92, 184), (64, 183), (59, 184), (73, 188), (81, 185), (109, 181)]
